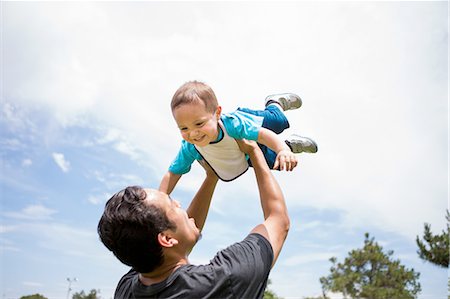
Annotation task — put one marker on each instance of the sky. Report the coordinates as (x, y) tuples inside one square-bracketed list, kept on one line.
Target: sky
[(84, 112)]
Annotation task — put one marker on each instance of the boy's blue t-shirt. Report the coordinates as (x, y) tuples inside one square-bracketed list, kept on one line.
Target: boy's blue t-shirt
[(238, 124)]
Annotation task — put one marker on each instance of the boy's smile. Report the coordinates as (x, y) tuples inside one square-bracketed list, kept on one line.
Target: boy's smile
[(196, 124)]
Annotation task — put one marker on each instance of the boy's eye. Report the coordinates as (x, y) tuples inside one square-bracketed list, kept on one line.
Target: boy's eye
[(200, 124), (183, 129)]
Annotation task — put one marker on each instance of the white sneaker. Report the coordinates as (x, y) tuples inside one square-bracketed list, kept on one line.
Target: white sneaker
[(287, 101), (299, 144)]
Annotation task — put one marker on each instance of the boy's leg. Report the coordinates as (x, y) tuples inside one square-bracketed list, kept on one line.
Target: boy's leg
[(273, 114), (269, 155), (274, 118)]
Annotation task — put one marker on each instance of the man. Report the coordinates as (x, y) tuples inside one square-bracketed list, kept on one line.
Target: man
[(150, 232)]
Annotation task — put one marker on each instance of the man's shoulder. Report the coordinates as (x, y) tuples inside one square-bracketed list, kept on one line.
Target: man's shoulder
[(189, 281), (247, 265), (240, 270), (254, 249), (125, 285), (252, 242)]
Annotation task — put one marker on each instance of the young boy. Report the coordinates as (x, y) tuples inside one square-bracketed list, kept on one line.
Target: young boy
[(210, 135)]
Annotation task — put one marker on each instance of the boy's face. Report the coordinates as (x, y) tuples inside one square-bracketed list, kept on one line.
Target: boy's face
[(197, 126)]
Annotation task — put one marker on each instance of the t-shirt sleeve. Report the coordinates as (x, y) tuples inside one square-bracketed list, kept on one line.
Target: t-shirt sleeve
[(242, 125), (184, 159), (124, 286), (248, 264)]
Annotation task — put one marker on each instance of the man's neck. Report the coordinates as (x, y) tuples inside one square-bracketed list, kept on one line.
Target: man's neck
[(161, 273)]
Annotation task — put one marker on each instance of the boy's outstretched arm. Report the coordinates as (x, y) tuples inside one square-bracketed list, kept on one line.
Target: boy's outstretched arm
[(285, 157), (169, 182)]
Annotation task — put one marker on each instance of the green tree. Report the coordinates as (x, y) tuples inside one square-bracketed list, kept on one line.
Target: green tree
[(35, 296), (93, 294), (370, 273), (269, 294), (435, 248)]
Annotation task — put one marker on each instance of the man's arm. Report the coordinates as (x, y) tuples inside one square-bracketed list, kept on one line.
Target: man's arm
[(199, 207), (276, 219), (285, 157), (169, 182)]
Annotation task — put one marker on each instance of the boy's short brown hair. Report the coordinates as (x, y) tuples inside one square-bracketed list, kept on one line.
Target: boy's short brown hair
[(194, 92)]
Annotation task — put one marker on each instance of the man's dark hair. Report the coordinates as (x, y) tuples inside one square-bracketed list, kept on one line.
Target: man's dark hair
[(129, 227)]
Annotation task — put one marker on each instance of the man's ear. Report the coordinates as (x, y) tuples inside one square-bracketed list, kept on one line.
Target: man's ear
[(165, 240)]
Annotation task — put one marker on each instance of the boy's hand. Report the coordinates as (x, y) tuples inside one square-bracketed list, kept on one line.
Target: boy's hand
[(285, 160)]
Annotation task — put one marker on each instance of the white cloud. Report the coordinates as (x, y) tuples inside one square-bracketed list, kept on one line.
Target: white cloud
[(61, 238), (27, 162), (116, 181), (335, 295), (301, 259), (128, 149), (11, 144), (32, 284), (95, 200), (111, 135), (4, 248), (32, 212), (69, 240), (16, 119), (99, 199), (6, 244), (7, 228), (307, 226), (61, 161)]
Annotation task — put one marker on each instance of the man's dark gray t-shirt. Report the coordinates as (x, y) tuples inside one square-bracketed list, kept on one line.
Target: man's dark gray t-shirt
[(239, 271)]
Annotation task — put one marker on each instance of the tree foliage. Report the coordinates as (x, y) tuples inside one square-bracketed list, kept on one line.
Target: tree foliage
[(35, 296), (269, 294), (93, 294), (435, 248), (371, 273)]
